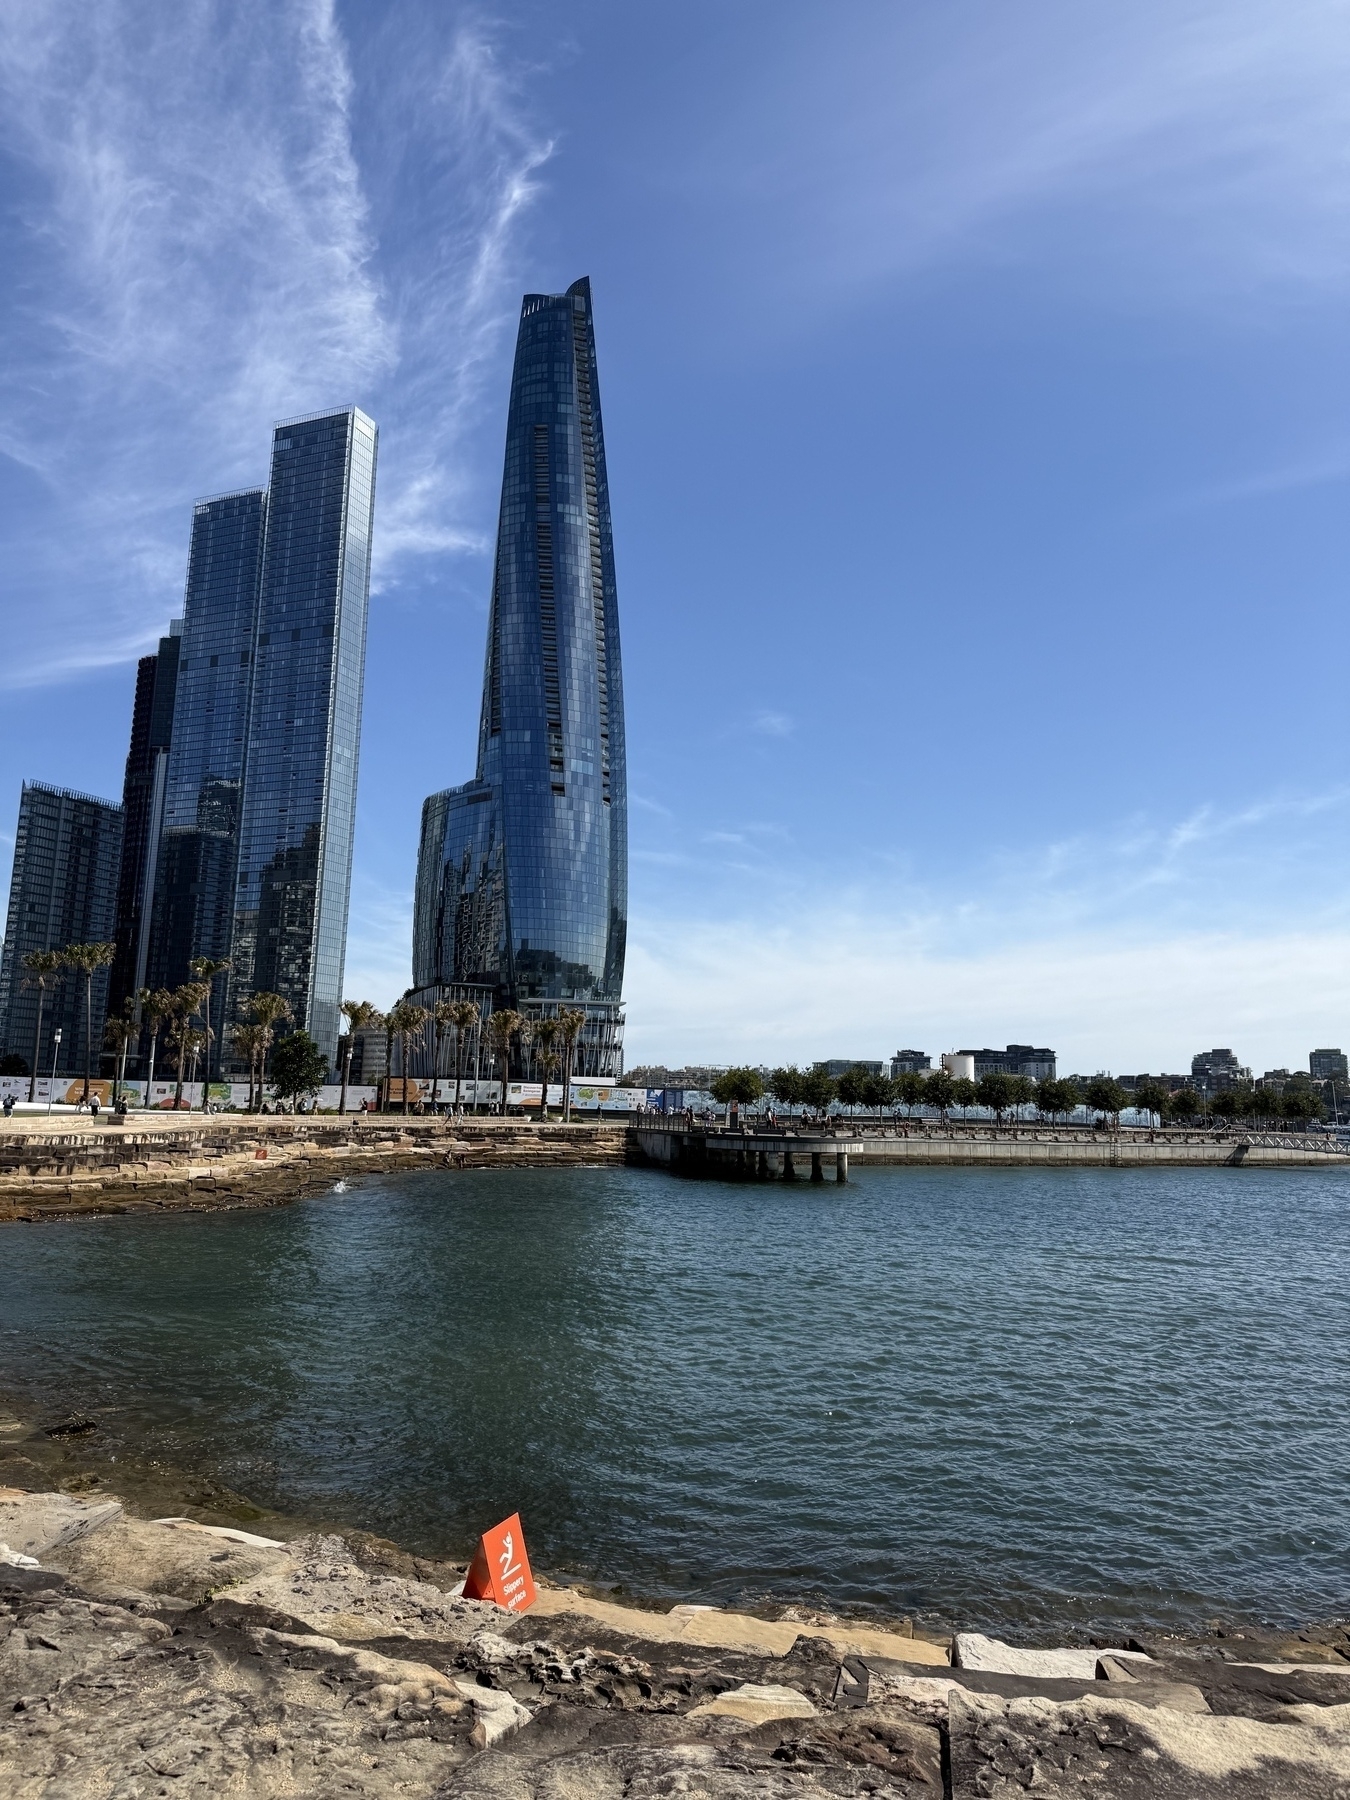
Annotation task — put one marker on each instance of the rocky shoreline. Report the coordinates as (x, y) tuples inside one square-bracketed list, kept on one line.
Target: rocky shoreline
[(144, 1655), (190, 1163)]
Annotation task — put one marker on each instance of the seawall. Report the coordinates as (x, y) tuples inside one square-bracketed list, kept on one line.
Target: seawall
[(765, 1155)]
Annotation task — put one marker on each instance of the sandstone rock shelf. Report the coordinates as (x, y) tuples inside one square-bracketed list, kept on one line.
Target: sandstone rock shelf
[(186, 1161), (140, 1658)]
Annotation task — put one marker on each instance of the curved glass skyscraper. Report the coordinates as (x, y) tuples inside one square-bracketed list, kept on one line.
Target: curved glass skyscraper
[(522, 881)]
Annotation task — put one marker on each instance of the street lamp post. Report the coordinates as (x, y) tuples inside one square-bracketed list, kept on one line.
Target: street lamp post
[(56, 1045)]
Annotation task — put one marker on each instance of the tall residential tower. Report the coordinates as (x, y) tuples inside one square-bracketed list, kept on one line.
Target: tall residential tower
[(522, 882), (67, 851), (294, 866)]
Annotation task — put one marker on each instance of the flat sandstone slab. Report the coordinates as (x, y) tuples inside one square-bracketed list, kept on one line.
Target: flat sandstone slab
[(712, 1628)]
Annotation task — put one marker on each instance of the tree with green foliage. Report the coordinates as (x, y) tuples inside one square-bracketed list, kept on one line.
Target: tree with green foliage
[(182, 1034), (939, 1090), (269, 1010), (204, 971), (118, 1031), (406, 1020), (501, 1028), (248, 1045), (361, 1015), (1105, 1095), (1183, 1103), (738, 1087), (42, 969), (1151, 1097), (818, 1089), (571, 1024), (786, 1086), (852, 1085), (86, 960), (1226, 1104), (546, 1039), (878, 1092), (994, 1090), (1056, 1099), (964, 1092), (1302, 1103), (1021, 1092), (299, 1069), (911, 1089)]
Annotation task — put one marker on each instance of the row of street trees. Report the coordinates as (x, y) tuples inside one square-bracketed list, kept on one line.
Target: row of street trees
[(42, 970), (1002, 1094), (546, 1045), (179, 1019)]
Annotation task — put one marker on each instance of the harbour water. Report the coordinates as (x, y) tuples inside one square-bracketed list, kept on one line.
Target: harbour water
[(1022, 1399)]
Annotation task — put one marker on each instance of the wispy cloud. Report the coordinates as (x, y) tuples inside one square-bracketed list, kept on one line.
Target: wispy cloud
[(1207, 138), (197, 248), (774, 724), (465, 174), (847, 983), (192, 259), (1121, 947)]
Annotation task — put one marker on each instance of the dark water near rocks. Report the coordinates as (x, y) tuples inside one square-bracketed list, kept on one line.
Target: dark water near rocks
[(1018, 1398)]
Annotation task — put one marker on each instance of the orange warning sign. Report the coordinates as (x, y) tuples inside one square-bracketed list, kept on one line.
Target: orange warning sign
[(500, 1569)]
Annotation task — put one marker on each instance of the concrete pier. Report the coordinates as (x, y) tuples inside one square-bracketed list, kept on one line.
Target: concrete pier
[(742, 1155), (780, 1155)]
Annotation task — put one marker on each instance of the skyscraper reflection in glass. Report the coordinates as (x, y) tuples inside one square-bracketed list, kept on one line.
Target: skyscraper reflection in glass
[(193, 913), (294, 867), (522, 887)]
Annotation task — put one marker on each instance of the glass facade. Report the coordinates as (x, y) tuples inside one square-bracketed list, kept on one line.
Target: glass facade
[(522, 873), (67, 856), (293, 877), (143, 790), (193, 911)]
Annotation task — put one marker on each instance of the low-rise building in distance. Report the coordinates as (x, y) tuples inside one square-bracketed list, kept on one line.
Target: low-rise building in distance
[(835, 1066), (1216, 1071), (910, 1062), (1036, 1063), (1328, 1065)]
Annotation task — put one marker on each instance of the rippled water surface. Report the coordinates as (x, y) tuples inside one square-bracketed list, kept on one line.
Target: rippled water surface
[(1003, 1397)]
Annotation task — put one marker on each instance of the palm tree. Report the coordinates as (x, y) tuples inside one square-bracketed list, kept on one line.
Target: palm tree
[(117, 1035), (439, 1016), (463, 1015), (501, 1028), (525, 1037), (361, 1015), (406, 1020), (155, 1008), (247, 1041), (389, 1053), (42, 966), (186, 1000), (268, 1012), (571, 1024), (545, 1034), (204, 970), (87, 960)]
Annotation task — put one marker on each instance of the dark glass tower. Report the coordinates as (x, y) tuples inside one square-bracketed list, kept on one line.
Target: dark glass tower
[(143, 790), (67, 852), (293, 874), (199, 844), (522, 886)]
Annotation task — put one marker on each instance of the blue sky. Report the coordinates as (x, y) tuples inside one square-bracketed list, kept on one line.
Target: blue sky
[(975, 386)]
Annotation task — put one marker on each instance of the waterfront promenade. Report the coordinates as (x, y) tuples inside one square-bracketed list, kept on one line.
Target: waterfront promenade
[(58, 1165)]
